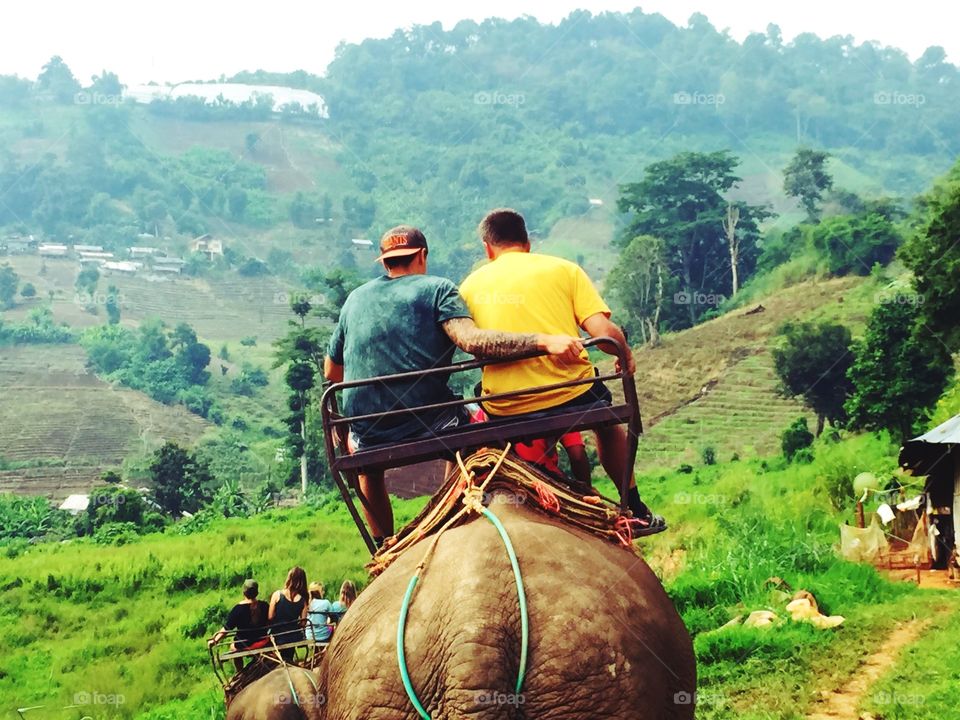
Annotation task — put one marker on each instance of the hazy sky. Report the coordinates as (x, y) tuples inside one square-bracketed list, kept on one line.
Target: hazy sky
[(178, 40)]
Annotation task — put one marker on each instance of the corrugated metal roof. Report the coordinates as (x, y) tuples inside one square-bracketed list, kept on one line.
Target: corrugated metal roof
[(924, 453)]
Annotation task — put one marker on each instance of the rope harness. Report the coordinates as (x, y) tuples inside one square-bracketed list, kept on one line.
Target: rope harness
[(592, 513)]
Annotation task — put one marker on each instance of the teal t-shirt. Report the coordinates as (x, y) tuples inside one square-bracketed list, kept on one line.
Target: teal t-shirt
[(388, 326)]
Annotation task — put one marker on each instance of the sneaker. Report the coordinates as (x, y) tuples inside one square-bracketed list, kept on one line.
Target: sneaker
[(649, 525)]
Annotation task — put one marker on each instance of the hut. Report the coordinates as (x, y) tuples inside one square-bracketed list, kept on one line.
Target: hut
[(936, 455)]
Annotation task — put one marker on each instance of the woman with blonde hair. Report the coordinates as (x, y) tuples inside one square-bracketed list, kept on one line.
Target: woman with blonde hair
[(348, 593)]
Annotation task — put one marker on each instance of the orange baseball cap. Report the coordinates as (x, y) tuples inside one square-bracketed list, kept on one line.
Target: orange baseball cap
[(401, 240)]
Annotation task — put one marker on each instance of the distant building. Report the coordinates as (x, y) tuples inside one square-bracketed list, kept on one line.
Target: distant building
[(232, 92), (87, 249), (75, 504), (143, 251), (122, 267), (50, 250), (362, 242), (595, 202), (93, 255), (207, 245), (172, 265), (17, 245)]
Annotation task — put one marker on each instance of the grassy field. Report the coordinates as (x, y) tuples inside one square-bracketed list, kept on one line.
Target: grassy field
[(129, 621)]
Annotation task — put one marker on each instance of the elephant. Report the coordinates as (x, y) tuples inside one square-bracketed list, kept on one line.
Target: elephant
[(605, 639), (270, 697)]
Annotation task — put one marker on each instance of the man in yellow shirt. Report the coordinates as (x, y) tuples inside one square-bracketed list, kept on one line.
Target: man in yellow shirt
[(520, 291)]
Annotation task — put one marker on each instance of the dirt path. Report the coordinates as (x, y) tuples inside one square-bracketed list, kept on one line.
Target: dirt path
[(842, 703)]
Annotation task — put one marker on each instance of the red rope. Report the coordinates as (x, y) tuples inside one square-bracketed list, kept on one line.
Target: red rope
[(546, 497), (624, 530)]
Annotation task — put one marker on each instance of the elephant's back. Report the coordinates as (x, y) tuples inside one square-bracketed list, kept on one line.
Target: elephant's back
[(596, 614)]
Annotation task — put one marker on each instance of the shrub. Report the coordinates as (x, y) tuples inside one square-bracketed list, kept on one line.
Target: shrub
[(115, 533), (796, 437), (709, 455)]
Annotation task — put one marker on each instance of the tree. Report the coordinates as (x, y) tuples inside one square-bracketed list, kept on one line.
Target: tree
[(28, 291), (57, 79), (733, 243), (898, 373), (237, 201), (795, 438), (636, 287), (87, 280), (681, 201), (107, 83), (112, 306), (812, 362), (854, 243), (302, 351), (181, 482), (933, 255), (806, 179), (9, 280), (192, 355)]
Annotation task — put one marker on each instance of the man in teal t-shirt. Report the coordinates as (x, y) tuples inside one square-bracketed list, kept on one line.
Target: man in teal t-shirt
[(403, 321)]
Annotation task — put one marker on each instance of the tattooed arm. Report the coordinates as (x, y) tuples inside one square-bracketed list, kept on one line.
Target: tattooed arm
[(465, 334)]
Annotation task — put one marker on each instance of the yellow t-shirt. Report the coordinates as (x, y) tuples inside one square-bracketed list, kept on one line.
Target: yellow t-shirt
[(530, 293)]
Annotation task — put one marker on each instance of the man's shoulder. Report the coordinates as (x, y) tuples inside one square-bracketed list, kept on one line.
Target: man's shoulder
[(553, 261)]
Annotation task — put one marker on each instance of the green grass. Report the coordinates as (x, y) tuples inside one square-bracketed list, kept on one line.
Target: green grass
[(925, 684), (736, 525), (130, 621)]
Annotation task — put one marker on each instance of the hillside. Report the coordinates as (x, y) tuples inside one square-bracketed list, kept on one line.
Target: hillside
[(713, 385), (61, 426)]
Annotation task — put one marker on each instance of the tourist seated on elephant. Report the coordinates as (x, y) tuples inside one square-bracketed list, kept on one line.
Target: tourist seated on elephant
[(249, 619), (405, 321), (348, 593), (565, 302), (319, 629), (288, 610)]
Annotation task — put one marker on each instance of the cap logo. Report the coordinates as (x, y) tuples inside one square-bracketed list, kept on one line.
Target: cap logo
[(393, 242)]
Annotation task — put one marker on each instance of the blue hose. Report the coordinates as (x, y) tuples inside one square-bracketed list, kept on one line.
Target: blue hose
[(524, 620)]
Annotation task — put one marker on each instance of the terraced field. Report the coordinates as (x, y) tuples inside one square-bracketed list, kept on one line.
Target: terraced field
[(715, 385), (217, 309), (740, 414), (72, 425)]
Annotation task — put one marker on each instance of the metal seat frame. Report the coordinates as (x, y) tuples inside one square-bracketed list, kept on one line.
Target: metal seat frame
[(495, 433)]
